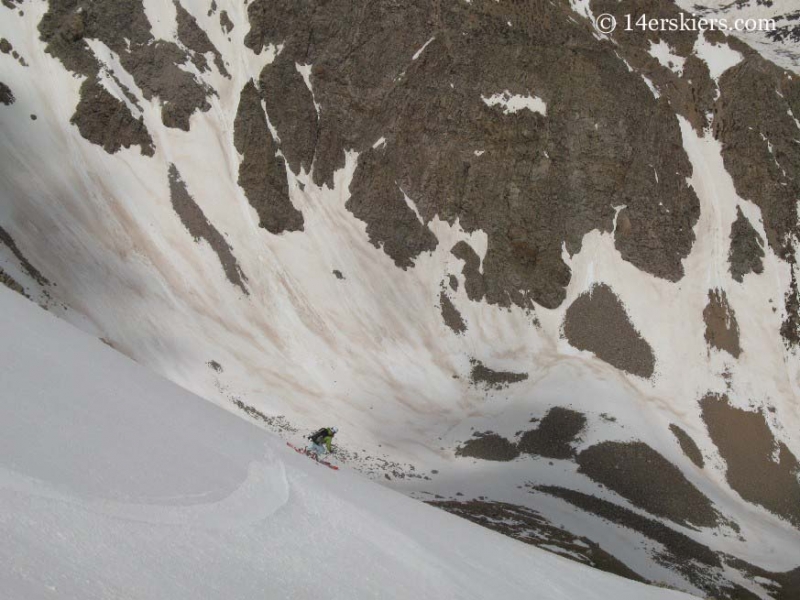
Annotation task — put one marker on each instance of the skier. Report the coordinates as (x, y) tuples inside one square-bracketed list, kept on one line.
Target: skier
[(321, 442)]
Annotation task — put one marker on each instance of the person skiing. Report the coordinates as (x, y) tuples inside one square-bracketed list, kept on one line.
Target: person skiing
[(321, 441)]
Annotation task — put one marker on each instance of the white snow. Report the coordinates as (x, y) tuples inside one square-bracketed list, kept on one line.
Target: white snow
[(412, 205), (305, 71), (771, 150), (513, 103), (370, 353), (652, 87), (115, 483), (163, 19), (627, 64), (791, 114), (718, 57), (665, 55), (784, 53), (583, 8), (422, 49)]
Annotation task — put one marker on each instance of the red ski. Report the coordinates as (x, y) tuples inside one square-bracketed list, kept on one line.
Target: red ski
[(317, 460)]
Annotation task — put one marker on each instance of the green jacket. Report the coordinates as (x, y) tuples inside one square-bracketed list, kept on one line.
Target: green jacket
[(325, 440)]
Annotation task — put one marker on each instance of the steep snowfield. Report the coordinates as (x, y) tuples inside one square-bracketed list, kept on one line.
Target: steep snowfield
[(304, 343), (116, 483), (369, 352), (780, 45)]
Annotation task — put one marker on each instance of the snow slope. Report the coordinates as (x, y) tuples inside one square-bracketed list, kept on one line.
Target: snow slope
[(369, 352), (778, 41), (116, 483)]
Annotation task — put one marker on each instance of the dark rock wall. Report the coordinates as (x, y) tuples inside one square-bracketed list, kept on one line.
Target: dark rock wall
[(760, 469), (688, 445), (755, 112), (8, 241), (450, 314), (199, 227), (554, 436), (644, 477), (492, 379), (262, 174), (67, 25), (542, 180), (108, 122), (722, 329), (747, 248), (597, 321), (6, 95)]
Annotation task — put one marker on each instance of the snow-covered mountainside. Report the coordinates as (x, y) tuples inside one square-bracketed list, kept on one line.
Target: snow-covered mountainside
[(780, 42), (540, 275), (115, 483)]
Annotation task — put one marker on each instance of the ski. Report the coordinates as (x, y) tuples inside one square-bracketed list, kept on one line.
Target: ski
[(316, 460)]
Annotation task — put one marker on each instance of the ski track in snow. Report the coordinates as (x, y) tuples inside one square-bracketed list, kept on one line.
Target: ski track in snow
[(264, 492)]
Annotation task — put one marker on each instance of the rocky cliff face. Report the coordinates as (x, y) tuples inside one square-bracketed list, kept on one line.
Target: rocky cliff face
[(562, 261)]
